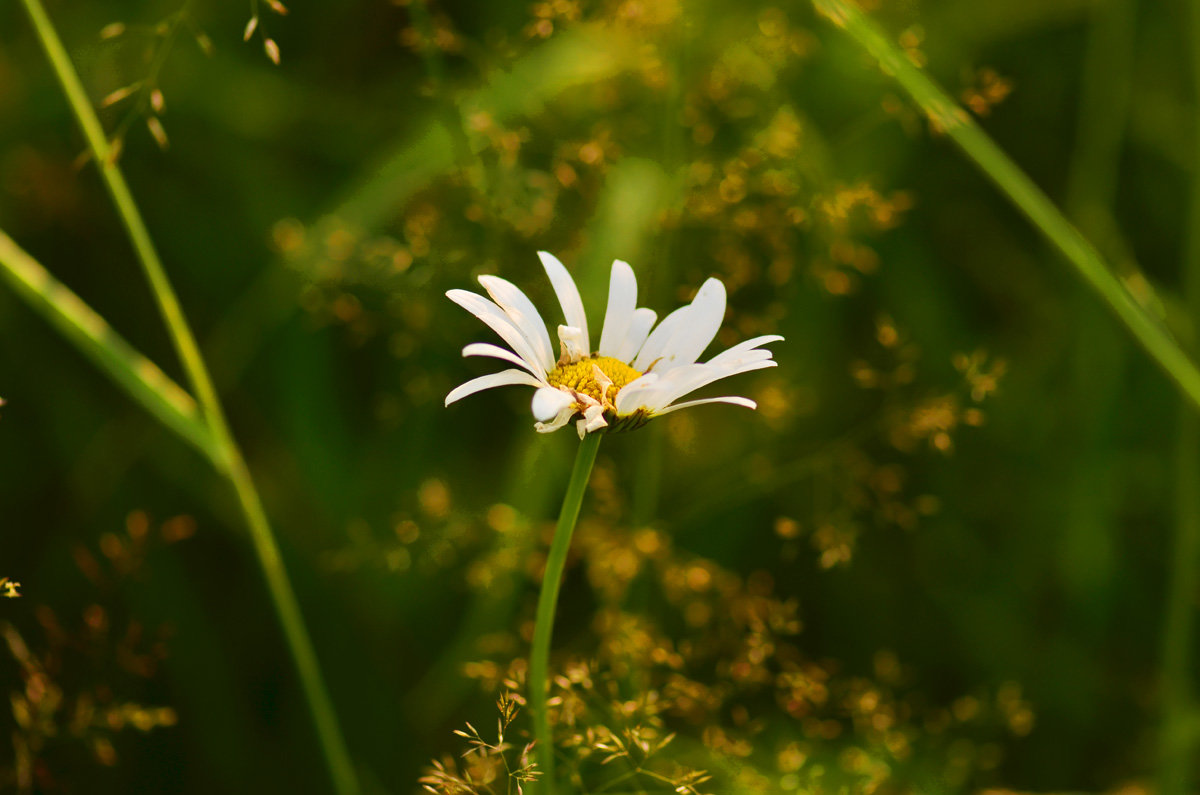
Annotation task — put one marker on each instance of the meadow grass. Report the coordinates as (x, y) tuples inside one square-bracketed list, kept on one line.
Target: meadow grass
[(602, 725)]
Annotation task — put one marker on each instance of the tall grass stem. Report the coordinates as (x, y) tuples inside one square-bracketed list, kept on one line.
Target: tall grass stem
[(138, 376), (228, 458), (543, 627), (949, 117)]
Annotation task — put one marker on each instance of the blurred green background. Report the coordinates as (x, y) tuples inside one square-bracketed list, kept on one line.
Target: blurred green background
[(961, 476)]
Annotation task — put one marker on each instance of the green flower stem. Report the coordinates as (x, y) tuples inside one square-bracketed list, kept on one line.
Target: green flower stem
[(228, 457), (1022, 192), (89, 332), (1177, 744), (543, 627)]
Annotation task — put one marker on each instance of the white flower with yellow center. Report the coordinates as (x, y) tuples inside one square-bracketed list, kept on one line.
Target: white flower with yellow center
[(639, 371)]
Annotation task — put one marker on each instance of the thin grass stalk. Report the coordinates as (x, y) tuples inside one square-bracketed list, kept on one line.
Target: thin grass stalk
[(1178, 739), (138, 376), (228, 461), (543, 627), (983, 152)]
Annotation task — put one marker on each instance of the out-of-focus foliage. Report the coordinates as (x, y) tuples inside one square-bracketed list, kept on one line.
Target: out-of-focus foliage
[(930, 562)]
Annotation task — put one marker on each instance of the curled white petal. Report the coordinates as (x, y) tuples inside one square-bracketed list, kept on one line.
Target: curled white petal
[(568, 294), (604, 382), (573, 342), (559, 422), (548, 402), (593, 420), (502, 378), (622, 300)]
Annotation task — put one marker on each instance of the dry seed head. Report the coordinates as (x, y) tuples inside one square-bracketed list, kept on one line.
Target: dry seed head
[(119, 94), (272, 50), (156, 130), (112, 30), (250, 27)]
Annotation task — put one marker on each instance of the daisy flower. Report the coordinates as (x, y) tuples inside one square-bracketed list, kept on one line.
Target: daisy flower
[(639, 370)]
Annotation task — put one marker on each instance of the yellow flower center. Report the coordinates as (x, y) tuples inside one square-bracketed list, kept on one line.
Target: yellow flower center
[(582, 378)]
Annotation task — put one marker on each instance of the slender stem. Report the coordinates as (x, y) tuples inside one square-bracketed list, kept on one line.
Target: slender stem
[(1178, 739), (955, 122), (543, 627), (132, 371), (229, 459)]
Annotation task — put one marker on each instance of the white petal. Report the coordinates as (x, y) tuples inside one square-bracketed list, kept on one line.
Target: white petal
[(604, 382), (549, 402), (523, 313), (743, 347), (502, 378), (496, 352), (737, 401), (742, 358), (573, 342), (622, 300), (652, 350), (500, 323), (639, 330), (655, 391), (681, 381), (593, 420), (709, 374), (704, 320), (568, 294), (628, 398), (559, 422)]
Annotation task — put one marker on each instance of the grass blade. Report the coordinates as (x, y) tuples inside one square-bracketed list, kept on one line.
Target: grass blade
[(138, 376), (1087, 263), (229, 460)]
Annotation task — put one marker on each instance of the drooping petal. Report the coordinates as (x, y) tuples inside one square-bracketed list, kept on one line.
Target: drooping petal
[(622, 300), (500, 323), (496, 352), (568, 295), (639, 330), (559, 421), (737, 401), (523, 313), (659, 338), (593, 420), (705, 314), (549, 402), (502, 378)]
